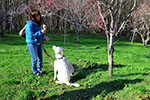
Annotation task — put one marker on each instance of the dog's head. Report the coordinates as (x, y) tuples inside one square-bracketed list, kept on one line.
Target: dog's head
[(59, 52)]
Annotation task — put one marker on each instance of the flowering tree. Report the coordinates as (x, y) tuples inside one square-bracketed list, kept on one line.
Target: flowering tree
[(10, 12), (110, 16), (141, 22)]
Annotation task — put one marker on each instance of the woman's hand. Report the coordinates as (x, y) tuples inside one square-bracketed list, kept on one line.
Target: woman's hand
[(43, 28), (43, 31)]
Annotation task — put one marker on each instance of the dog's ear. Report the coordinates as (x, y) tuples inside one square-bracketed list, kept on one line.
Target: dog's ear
[(62, 52)]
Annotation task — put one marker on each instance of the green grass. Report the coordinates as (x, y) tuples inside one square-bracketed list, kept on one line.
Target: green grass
[(130, 81)]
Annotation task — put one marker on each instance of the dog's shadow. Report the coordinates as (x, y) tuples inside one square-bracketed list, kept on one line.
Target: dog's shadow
[(81, 72)]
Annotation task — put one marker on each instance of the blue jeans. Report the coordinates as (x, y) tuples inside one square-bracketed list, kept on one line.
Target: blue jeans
[(36, 56)]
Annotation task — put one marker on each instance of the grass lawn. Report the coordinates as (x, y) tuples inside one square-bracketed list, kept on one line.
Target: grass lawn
[(130, 81)]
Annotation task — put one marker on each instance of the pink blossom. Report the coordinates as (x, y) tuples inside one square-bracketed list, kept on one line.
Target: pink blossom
[(115, 26), (137, 8), (103, 9), (100, 26)]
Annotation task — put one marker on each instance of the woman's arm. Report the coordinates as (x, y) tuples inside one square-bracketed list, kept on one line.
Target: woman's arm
[(30, 30)]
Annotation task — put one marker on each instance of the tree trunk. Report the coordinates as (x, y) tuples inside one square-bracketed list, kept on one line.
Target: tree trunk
[(78, 39), (110, 55), (147, 38), (3, 17), (146, 41), (11, 4), (1, 33), (142, 37), (58, 21), (65, 31), (77, 30), (11, 23), (133, 36)]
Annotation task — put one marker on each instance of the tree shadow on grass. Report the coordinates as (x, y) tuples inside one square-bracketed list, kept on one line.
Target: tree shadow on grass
[(89, 69), (101, 89), (132, 74)]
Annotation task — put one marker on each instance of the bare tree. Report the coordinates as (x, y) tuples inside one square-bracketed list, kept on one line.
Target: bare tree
[(141, 22), (110, 16)]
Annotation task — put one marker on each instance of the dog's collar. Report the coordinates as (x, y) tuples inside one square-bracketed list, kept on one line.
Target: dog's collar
[(60, 57)]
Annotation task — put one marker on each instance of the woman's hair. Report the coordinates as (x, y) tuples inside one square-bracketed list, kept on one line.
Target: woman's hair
[(33, 14)]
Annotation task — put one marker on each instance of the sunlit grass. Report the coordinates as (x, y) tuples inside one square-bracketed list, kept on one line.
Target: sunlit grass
[(129, 82)]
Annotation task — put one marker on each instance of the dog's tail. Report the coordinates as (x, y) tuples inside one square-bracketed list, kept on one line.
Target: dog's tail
[(74, 84)]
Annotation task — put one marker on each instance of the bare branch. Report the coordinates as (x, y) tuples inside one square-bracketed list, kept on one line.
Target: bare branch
[(126, 19)]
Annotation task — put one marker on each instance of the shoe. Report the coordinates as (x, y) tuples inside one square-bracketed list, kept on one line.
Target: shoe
[(37, 74)]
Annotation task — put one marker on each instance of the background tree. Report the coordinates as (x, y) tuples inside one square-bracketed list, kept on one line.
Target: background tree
[(1, 17), (140, 22), (11, 14)]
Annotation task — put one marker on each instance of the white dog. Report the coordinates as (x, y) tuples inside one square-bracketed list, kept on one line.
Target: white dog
[(63, 67)]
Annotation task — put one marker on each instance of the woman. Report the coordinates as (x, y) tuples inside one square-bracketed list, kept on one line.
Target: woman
[(34, 39)]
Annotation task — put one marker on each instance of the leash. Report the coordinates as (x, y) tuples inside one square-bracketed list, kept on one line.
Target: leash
[(52, 59)]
